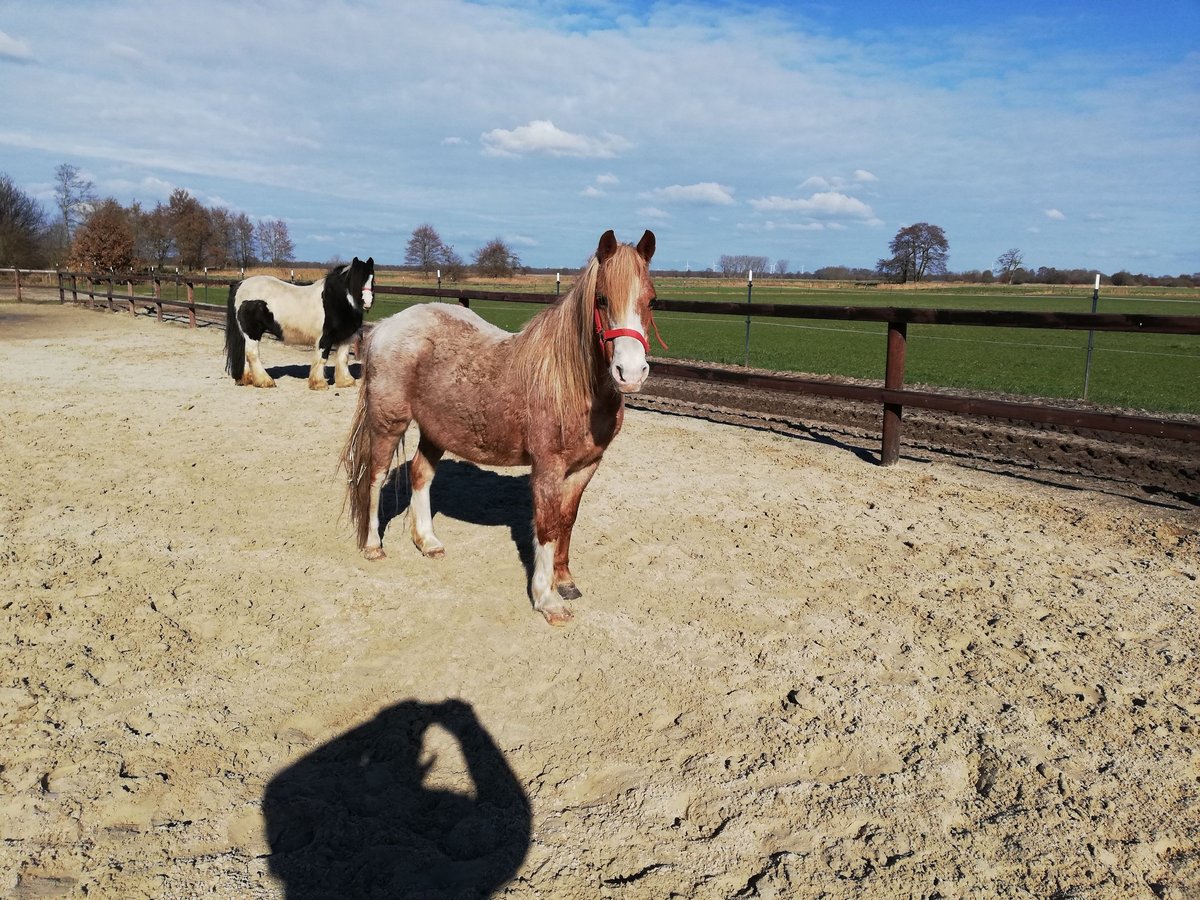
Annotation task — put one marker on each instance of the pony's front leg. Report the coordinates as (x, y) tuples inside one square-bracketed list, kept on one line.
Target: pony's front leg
[(547, 531), (341, 367), (316, 371), (572, 492)]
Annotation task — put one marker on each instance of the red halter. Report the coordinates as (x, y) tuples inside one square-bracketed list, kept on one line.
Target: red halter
[(608, 334)]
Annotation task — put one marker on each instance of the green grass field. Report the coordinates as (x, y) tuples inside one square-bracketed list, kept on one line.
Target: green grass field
[(1151, 372)]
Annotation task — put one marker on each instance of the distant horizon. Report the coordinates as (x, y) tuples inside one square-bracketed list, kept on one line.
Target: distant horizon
[(799, 131)]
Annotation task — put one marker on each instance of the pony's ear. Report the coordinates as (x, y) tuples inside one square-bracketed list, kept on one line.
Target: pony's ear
[(371, 263), (354, 263), (607, 247), (646, 246)]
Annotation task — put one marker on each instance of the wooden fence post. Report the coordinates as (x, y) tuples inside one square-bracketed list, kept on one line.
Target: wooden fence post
[(62, 293), (17, 275), (158, 296), (191, 295), (893, 378), (132, 305)]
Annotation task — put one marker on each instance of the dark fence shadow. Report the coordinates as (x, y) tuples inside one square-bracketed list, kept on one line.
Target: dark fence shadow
[(354, 818), (468, 493)]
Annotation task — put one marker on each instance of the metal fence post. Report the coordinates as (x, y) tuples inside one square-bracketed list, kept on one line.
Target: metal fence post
[(1087, 366), (749, 293)]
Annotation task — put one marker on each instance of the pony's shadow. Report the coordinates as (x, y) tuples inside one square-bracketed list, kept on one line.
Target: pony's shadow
[(470, 494), (301, 371), (354, 818)]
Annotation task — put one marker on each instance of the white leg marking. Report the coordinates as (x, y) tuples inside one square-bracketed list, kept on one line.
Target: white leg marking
[(542, 585), (316, 371), (341, 367), (422, 524), (373, 548)]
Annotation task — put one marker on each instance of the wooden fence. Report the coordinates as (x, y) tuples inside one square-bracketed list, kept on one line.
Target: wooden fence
[(892, 395)]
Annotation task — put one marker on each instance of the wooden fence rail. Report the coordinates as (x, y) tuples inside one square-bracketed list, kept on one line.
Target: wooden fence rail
[(892, 395)]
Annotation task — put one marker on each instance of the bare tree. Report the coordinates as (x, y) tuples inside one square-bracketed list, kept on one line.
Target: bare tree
[(75, 196), (781, 266), (742, 264), (105, 239), (23, 227), (191, 227), (426, 250), (917, 251), (496, 260), (274, 243), (157, 234), (1007, 264), (243, 240)]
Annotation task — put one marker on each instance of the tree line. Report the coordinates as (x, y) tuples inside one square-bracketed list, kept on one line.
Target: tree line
[(86, 232), (430, 254), (921, 252)]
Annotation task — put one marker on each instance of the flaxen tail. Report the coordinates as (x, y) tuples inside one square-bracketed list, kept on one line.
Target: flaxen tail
[(356, 455), (235, 341)]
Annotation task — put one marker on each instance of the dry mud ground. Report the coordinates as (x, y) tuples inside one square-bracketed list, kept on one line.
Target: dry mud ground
[(792, 674)]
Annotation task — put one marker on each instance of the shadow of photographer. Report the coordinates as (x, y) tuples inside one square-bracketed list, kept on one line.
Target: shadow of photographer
[(356, 817)]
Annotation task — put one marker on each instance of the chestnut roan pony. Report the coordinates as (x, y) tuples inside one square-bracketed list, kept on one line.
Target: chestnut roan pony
[(549, 397)]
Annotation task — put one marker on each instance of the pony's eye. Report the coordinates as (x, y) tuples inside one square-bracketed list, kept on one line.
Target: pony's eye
[(602, 301), (653, 300)]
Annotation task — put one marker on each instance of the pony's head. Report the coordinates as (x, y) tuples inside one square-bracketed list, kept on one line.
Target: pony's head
[(621, 304), (360, 283)]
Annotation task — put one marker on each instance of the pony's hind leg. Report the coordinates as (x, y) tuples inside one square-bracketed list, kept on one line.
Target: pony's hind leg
[(341, 368), (254, 373), (383, 448), (421, 471)]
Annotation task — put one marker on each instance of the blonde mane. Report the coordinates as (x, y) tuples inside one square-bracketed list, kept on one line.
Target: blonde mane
[(555, 353)]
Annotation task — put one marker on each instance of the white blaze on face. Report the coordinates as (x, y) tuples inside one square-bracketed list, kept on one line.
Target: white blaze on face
[(629, 367), (368, 293)]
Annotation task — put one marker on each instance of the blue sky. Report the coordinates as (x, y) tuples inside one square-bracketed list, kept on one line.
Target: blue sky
[(808, 132)]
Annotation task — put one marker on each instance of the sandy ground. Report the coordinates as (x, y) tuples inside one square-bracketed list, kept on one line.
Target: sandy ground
[(792, 674)]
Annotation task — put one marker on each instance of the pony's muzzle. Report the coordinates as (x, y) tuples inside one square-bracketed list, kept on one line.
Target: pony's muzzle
[(630, 376)]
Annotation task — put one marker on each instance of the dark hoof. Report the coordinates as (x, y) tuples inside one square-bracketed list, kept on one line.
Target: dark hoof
[(568, 591)]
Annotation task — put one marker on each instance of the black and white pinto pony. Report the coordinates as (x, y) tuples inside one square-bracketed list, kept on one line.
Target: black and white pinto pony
[(327, 314)]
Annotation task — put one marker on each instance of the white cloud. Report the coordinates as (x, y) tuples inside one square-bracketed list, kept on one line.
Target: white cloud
[(607, 179), (591, 191), (863, 176), (11, 48), (1056, 215), (452, 141), (825, 204), (705, 193), (543, 136), (653, 212)]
